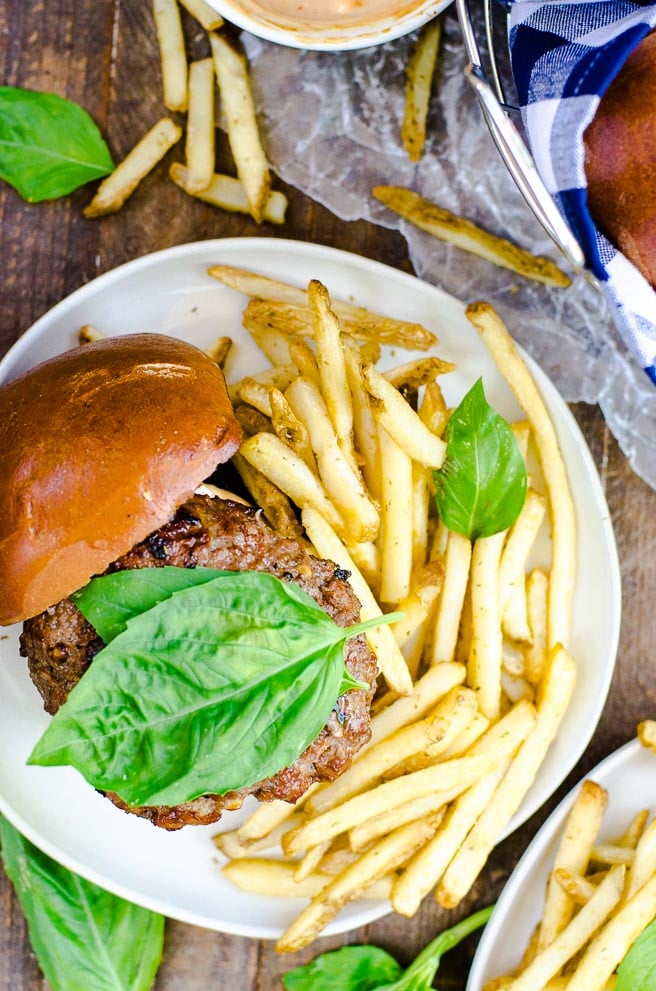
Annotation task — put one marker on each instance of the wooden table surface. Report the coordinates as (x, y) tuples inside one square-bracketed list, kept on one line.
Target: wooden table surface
[(102, 53)]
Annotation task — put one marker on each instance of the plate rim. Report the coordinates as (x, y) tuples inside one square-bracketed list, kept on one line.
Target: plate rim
[(547, 832), (339, 256)]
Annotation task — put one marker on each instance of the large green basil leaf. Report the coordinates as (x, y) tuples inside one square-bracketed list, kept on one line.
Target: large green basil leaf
[(366, 968), (210, 690), (84, 938), (48, 145), (111, 601), (481, 487), (637, 972), (353, 968)]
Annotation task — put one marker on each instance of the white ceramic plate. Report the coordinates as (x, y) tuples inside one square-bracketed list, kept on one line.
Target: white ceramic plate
[(170, 292), (629, 775), (255, 16)]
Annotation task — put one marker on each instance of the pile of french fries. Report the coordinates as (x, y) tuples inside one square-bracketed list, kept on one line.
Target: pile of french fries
[(475, 678), (191, 88), (600, 896)]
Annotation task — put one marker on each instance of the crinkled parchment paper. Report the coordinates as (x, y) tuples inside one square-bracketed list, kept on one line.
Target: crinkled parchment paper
[(331, 122)]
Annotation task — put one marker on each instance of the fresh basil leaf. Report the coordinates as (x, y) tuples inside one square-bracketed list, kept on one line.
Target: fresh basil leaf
[(481, 487), (84, 938), (421, 972), (212, 689), (637, 972), (353, 968), (48, 145), (108, 603), (366, 968)]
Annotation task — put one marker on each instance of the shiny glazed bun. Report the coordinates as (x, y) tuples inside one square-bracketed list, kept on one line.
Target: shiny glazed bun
[(98, 448), (620, 160)]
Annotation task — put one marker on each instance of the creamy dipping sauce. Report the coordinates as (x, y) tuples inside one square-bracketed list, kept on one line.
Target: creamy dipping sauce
[(326, 13)]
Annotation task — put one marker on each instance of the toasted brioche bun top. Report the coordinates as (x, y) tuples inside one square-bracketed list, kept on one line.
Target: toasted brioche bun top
[(98, 448), (620, 160)]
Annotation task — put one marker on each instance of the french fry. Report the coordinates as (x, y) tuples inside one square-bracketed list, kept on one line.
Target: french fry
[(332, 369), (291, 306), (360, 837), (577, 888), (552, 959), (243, 133), (276, 879), (328, 545), (464, 234), (364, 424), (200, 126), (117, 187), (172, 53), (612, 854), (433, 410), (401, 422), (499, 343), (421, 493), (396, 519), (535, 653), (228, 193), (343, 485), (304, 358), (450, 777), (647, 733), (456, 574), (644, 861), (612, 944), (87, 334), (447, 720), (573, 855), (416, 607), (206, 16), (416, 373), (290, 429), (424, 694), (290, 474), (486, 645), (419, 76), (555, 693), (230, 844), (310, 862), (219, 350), (383, 858), (635, 830), (514, 621), (252, 421), (272, 343), (266, 818), (521, 538), (429, 864), (273, 502)]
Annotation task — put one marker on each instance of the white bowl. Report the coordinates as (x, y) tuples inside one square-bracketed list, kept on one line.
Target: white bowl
[(629, 776), (348, 24)]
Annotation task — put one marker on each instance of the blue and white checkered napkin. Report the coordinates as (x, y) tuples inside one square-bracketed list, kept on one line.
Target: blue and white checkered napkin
[(564, 55)]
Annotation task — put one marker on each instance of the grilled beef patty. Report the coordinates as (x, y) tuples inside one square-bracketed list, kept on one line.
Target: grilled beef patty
[(60, 644)]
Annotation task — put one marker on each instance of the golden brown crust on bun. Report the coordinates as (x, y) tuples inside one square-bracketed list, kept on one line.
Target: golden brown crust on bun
[(98, 448), (620, 160)]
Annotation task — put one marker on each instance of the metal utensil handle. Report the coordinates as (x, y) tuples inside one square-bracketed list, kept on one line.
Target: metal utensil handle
[(514, 152)]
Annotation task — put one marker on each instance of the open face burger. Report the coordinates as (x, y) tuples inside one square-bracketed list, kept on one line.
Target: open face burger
[(103, 452)]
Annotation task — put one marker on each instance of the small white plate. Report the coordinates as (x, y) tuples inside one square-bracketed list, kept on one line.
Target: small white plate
[(313, 33), (170, 292), (629, 776)]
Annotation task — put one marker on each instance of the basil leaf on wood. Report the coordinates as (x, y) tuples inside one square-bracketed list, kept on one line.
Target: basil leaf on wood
[(84, 938), (214, 687), (353, 968), (481, 487), (366, 968), (48, 145), (637, 972)]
